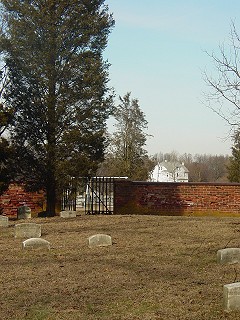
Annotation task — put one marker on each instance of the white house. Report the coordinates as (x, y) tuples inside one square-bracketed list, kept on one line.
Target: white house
[(169, 171)]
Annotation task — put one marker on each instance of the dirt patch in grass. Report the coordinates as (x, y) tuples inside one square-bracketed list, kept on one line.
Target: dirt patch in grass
[(157, 268)]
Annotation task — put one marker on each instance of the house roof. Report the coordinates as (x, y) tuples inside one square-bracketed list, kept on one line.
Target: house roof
[(172, 165)]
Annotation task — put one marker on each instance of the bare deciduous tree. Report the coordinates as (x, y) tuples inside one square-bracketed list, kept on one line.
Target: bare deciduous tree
[(224, 96)]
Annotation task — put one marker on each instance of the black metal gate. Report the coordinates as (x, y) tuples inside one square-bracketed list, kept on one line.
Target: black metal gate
[(99, 195), (94, 195), (69, 196)]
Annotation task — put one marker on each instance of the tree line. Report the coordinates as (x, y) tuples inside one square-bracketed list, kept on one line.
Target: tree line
[(202, 167)]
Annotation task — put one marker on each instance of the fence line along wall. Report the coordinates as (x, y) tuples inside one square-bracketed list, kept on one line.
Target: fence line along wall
[(16, 196), (190, 199)]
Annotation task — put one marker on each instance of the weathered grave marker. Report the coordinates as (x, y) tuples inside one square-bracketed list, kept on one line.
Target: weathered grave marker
[(68, 214), (228, 256), (24, 212), (231, 296), (3, 221), (99, 240), (36, 243), (27, 230)]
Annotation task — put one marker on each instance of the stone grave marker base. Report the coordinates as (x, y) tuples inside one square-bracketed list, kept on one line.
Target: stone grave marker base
[(228, 256), (36, 243), (3, 221), (231, 296), (99, 240), (27, 230), (68, 214)]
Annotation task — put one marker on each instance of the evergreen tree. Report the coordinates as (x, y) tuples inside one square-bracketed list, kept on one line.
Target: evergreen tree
[(127, 156), (6, 151), (57, 87), (234, 160)]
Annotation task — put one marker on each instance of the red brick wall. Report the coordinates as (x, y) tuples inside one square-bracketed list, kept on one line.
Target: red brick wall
[(157, 198), (163, 198), (15, 196)]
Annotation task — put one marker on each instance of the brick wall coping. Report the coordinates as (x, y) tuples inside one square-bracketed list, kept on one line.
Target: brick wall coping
[(183, 183)]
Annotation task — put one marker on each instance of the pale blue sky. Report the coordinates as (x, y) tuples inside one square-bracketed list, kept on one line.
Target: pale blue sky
[(157, 52)]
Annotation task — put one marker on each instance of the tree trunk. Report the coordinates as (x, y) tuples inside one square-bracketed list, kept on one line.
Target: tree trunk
[(51, 196), (51, 116)]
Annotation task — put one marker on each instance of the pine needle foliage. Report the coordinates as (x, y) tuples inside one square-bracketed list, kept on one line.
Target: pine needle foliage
[(126, 153), (6, 151), (58, 87)]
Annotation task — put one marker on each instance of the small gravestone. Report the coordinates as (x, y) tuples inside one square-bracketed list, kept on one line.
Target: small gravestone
[(36, 243), (23, 212), (3, 221), (27, 230), (99, 240), (231, 296), (228, 256), (68, 214)]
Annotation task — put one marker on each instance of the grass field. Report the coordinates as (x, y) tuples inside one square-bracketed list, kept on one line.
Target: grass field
[(157, 268)]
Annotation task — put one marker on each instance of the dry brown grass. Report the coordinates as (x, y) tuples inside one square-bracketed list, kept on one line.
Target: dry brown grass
[(157, 268)]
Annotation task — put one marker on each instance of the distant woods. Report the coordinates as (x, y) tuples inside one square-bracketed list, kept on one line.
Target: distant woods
[(202, 167)]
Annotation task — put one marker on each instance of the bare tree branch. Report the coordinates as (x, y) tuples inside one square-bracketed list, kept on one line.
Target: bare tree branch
[(225, 89)]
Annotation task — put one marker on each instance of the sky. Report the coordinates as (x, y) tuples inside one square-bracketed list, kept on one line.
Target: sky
[(158, 52)]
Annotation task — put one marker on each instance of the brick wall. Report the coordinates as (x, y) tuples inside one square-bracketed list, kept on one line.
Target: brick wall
[(158, 198), (161, 198), (16, 196)]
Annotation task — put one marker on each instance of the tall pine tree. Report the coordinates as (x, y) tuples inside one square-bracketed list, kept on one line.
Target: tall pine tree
[(57, 87), (126, 153), (6, 151)]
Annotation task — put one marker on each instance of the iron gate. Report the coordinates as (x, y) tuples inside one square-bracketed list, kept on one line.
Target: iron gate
[(94, 195), (99, 195), (69, 196)]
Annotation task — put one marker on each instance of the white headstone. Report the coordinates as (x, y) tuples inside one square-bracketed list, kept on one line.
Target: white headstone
[(231, 296), (99, 240), (27, 230), (3, 221), (228, 256), (68, 214), (36, 243)]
